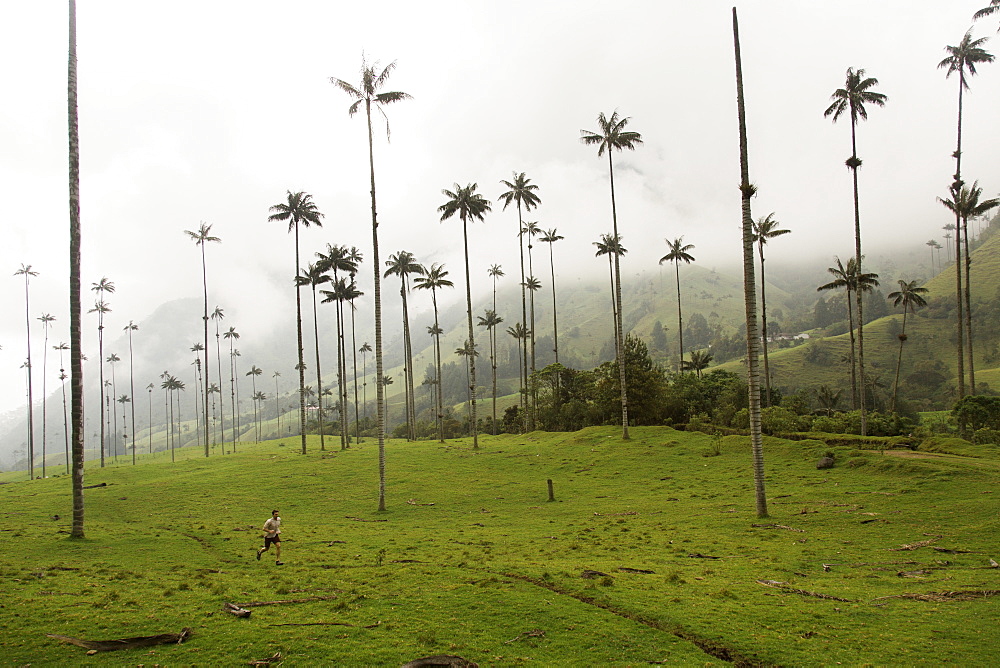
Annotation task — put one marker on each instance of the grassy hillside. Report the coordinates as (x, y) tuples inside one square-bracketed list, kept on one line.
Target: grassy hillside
[(650, 554)]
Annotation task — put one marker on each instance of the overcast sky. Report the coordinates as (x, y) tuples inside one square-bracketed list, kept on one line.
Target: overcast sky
[(210, 111)]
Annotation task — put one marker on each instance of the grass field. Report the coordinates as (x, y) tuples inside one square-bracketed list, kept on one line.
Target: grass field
[(882, 560)]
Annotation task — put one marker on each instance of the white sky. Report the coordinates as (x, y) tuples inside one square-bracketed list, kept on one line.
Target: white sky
[(210, 110)]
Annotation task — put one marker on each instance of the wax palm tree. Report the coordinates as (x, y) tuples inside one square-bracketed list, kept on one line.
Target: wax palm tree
[(102, 287), (747, 191), (851, 281), (520, 334), (197, 349), (533, 285), (522, 192), (218, 315), (339, 259), (232, 336), (27, 272), (909, 296), (337, 296), (46, 320), (355, 257), (856, 93), (700, 359), (550, 237), (367, 93), (403, 264), (277, 408), (62, 378), (253, 373), (299, 209), (129, 328), (611, 245), (214, 389), (468, 204), (364, 350), (258, 398), (490, 322), (351, 293), (314, 276), (202, 237), (173, 385), (75, 304), (613, 136), (149, 418), (386, 382), (435, 278), (124, 399), (764, 229), (469, 352), (112, 360), (678, 252)]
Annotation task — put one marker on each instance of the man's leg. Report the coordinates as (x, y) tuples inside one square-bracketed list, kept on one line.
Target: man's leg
[(277, 553)]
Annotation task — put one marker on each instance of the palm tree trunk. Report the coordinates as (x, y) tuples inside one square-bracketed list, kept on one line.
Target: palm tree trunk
[(472, 339), (319, 375), (75, 305), (555, 319), (302, 366), (341, 367), (763, 331), (354, 354), (45, 396), (534, 397), (379, 389), (859, 293), (100, 365), (968, 307), (749, 299), (408, 350), (437, 362), (204, 284), (524, 323), (680, 320), (222, 405), (899, 360), (131, 384), (853, 355), (619, 339), (958, 296)]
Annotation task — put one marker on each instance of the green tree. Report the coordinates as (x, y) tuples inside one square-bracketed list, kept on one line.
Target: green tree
[(314, 276), (403, 264), (467, 204), (909, 296), (340, 294), (678, 252), (201, 237), (298, 209), (849, 279), (856, 93), (367, 93), (764, 229), (611, 137), (522, 192), (749, 297), (435, 278), (611, 245), (700, 359)]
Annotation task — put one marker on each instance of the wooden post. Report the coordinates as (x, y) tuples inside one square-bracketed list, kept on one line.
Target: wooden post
[(552, 496)]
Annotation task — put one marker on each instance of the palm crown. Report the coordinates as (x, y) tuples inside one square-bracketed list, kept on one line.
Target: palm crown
[(678, 252), (522, 192), (612, 134), (298, 209), (367, 91), (964, 57), (464, 201), (856, 93)]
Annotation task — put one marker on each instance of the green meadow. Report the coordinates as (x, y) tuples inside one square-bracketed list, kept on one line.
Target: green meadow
[(650, 553)]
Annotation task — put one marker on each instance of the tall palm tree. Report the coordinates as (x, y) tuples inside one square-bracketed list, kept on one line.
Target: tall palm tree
[(495, 271), (435, 278), (102, 287), (763, 229), (314, 276), (678, 252), (62, 377), (27, 272), (46, 319), (214, 389), (965, 205), (338, 296), (988, 10), (490, 322), (851, 281), (299, 209), (232, 336), (856, 93), (533, 285), (700, 359), (470, 353), (201, 237), (112, 360), (909, 296), (522, 192), (468, 204), (550, 237), (520, 334), (340, 259), (611, 245), (149, 390), (364, 350), (218, 315), (367, 93), (197, 349), (351, 293), (125, 399), (258, 399), (172, 385), (355, 257), (253, 373), (613, 136), (75, 304), (132, 327), (277, 408), (403, 264), (747, 190)]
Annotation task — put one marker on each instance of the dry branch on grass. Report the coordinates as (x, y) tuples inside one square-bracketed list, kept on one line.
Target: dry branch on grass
[(126, 643), (274, 658), (914, 546), (257, 604), (628, 512), (626, 569), (943, 596), (235, 610), (441, 660), (533, 633), (358, 519), (413, 502), (784, 586)]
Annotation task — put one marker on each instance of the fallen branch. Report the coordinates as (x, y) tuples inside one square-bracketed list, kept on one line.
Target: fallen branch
[(626, 569), (952, 551), (776, 526), (589, 574), (126, 643), (628, 512), (441, 660), (942, 596), (235, 610), (313, 624), (534, 633), (257, 604), (783, 586), (413, 502), (914, 546), (269, 660), (102, 484), (358, 519)]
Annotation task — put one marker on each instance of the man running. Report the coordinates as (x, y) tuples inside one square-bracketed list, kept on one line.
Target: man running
[(272, 534)]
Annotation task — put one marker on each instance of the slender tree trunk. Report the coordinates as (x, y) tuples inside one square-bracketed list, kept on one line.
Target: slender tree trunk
[(222, 404), (341, 366), (319, 375), (354, 354), (31, 403), (854, 366), (680, 320), (619, 337), (763, 329), (859, 293), (968, 306), (472, 339), (437, 363), (524, 323), (75, 306), (899, 360), (749, 298), (532, 377), (555, 321), (100, 365), (960, 343), (408, 350), (493, 355), (302, 366), (232, 391), (45, 396), (379, 389), (131, 384), (204, 284)]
